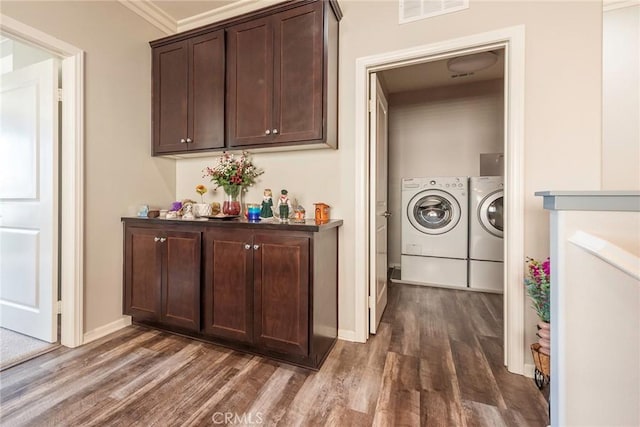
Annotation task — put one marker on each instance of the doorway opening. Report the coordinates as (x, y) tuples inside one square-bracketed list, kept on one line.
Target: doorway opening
[(29, 194), (65, 238), (511, 42)]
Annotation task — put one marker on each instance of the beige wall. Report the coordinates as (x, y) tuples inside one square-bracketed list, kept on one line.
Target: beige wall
[(119, 171), (621, 99), (440, 132), (562, 114), (562, 107)]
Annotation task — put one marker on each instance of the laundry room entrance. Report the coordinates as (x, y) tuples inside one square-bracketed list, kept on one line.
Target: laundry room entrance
[(446, 155), (453, 174)]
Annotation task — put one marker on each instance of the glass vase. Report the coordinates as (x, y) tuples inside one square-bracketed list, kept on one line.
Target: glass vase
[(231, 204)]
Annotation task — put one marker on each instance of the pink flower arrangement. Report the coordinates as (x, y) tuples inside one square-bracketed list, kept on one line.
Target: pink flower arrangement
[(233, 173), (538, 286)]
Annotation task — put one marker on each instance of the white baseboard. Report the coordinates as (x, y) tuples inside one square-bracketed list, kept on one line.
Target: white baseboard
[(347, 335), (107, 329), (529, 369)]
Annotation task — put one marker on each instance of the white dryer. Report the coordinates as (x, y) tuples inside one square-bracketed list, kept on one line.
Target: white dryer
[(486, 231), (435, 231)]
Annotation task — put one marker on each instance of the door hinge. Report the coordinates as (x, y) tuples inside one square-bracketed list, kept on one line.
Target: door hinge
[(372, 301), (59, 94), (59, 306), (371, 106)]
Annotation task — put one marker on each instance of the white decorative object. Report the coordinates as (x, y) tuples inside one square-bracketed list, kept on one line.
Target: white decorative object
[(201, 209), (187, 211)]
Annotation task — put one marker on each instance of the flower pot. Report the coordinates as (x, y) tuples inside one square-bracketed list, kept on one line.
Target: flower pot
[(201, 209), (544, 337)]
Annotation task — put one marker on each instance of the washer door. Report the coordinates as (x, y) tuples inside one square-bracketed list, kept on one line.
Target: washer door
[(433, 212), (491, 213)]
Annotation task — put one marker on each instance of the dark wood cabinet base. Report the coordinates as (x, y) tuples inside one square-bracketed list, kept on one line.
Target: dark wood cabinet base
[(267, 289)]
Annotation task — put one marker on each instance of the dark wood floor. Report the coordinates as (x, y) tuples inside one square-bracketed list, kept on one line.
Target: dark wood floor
[(436, 361)]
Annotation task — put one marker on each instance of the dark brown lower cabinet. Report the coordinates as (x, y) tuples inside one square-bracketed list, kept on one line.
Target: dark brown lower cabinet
[(264, 288), (162, 276), (228, 284), (281, 292)]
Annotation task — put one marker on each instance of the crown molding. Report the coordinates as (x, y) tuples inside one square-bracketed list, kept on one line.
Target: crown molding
[(229, 11), (151, 13), (608, 5)]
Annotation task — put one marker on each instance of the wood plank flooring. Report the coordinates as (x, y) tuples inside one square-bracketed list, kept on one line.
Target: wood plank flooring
[(436, 361)]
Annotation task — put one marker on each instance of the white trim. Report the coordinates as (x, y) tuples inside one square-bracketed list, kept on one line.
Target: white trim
[(608, 6), (512, 39), (236, 8), (72, 152), (347, 335), (72, 190), (107, 329), (153, 14), (529, 369), (609, 253)]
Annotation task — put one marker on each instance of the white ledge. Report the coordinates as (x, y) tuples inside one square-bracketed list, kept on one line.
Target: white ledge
[(627, 201), (608, 252)]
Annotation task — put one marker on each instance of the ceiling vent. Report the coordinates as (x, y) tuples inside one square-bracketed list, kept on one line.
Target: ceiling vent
[(413, 10)]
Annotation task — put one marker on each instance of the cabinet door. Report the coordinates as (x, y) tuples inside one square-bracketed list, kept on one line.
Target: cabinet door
[(170, 97), (206, 96), (228, 284), (181, 279), (281, 298), (250, 83), (298, 74), (142, 273)]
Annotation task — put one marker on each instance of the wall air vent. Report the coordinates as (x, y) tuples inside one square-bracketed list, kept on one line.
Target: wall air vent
[(413, 10)]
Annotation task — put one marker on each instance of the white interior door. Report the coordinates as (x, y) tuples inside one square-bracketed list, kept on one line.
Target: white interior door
[(378, 138), (28, 200)]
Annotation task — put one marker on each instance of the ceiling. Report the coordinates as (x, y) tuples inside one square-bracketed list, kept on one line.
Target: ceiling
[(435, 73), (185, 9)]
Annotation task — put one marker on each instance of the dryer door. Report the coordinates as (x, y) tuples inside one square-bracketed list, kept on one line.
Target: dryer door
[(491, 213), (433, 212)]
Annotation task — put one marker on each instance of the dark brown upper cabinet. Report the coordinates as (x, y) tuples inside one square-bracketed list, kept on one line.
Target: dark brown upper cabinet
[(277, 90), (277, 71), (188, 94)]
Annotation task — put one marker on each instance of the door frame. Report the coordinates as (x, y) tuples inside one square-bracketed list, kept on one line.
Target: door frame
[(512, 39), (71, 198)]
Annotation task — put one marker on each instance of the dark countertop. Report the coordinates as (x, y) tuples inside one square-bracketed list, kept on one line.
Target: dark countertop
[(273, 224)]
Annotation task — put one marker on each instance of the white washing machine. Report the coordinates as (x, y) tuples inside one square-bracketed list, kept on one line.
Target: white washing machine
[(486, 231), (435, 231)]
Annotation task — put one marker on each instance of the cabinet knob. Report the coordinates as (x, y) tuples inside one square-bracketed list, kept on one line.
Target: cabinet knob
[(267, 132), (256, 247), (275, 131), (156, 239), (163, 239), (189, 140), (247, 246), (183, 141)]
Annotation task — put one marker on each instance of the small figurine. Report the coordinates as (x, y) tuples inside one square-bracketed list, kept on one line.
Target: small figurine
[(299, 214), (215, 208), (187, 211), (143, 211), (284, 206), (266, 210)]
